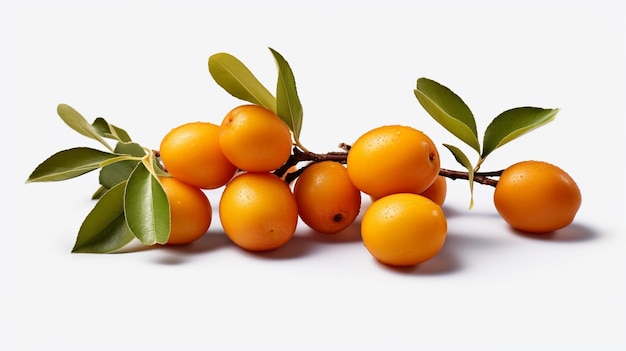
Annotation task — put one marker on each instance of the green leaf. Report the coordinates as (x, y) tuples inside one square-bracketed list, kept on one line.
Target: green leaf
[(120, 171), (146, 207), (116, 173), (157, 167), (288, 106), (461, 158), (76, 121), (104, 229), (448, 110), (99, 193), (512, 124), (72, 163), (110, 131), (130, 148), (234, 77)]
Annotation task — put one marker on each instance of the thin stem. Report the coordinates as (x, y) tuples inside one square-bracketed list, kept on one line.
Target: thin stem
[(480, 177), (299, 144), (491, 174), (342, 156)]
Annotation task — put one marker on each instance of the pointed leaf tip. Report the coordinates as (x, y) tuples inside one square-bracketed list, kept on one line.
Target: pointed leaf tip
[(288, 105), (234, 77), (104, 229), (512, 124), (449, 110), (70, 163), (76, 121)]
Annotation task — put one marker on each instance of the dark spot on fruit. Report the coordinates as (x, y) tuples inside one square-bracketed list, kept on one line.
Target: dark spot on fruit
[(338, 218)]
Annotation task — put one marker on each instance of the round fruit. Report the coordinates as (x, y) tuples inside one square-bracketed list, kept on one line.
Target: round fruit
[(437, 190), (393, 159), (255, 139), (537, 197), (403, 229), (190, 211), (258, 211), (327, 200), (191, 153)]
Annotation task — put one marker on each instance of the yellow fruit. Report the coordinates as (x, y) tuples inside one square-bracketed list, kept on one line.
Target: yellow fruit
[(437, 191), (258, 211), (327, 200), (537, 197), (393, 159), (191, 153), (255, 139), (403, 229), (190, 211)]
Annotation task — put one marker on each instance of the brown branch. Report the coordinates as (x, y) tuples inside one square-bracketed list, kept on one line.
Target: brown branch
[(342, 156), (480, 177), (302, 156)]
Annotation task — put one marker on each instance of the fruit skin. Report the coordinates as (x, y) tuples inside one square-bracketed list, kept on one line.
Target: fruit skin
[(393, 159), (537, 197), (403, 229), (191, 153), (255, 139), (190, 211), (437, 191), (258, 211), (327, 200)]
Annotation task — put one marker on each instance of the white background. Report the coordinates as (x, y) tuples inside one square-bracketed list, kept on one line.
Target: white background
[(143, 66)]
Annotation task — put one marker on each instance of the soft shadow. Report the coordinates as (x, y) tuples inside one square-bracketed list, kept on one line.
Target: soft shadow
[(450, 212), (297, 247), (349, 235), (211, 241), (445, 262), (441, 264), (179, 254), (172, 260), (573, 233)]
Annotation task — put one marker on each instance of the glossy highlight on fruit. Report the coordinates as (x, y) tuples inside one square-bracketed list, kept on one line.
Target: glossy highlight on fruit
[(258, 211), (327, 200), (537, 197), (191, 153), (393, 159), (403, 229), (255, 139), (272, 181)]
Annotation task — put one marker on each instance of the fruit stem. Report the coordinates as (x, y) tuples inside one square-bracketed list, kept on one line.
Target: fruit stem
[(479, 177), (342, 156)]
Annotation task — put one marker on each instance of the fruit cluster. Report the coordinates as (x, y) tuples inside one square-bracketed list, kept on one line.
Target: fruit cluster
[(271, 181), (259, 211)]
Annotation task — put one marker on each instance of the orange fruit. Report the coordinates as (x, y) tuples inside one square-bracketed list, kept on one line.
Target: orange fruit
[(537, 197), (255, 139), (191, 153), (258, 211), (190, 211), (327, 200), (393, 159), (437, 190), (403, 229)]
